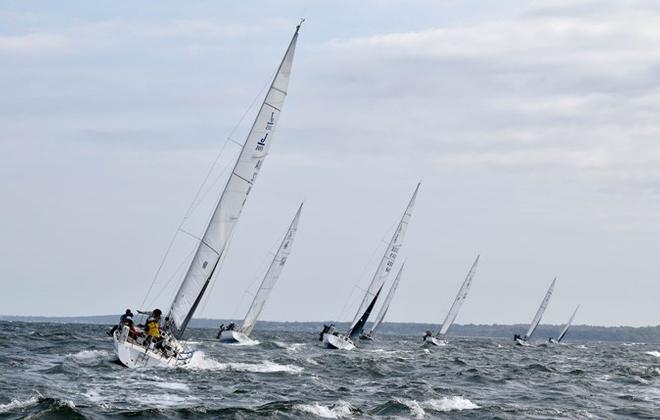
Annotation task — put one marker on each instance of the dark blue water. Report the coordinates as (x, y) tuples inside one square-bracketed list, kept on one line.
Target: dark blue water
[(57, 371)]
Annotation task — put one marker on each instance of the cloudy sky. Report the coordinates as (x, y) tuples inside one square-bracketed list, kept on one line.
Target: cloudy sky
[(532, 125)]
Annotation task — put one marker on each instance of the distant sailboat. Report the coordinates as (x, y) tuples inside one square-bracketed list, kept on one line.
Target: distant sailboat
[(566, 327), (523, 341), (439, 338), (329, 336), (383, 309), (218, 232), (241, 335)]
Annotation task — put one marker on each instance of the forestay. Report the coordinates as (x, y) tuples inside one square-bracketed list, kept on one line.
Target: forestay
[(385, 265), (386, 304), (218, 232), (271, 277), (568, 325), (460, 298), (539, 313)]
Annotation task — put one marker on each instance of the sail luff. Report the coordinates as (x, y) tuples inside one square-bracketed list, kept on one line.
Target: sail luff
[(387, 261), (386, 303), (541, 310), (460, 298), (271, 276), (228, 209), (568, 325)]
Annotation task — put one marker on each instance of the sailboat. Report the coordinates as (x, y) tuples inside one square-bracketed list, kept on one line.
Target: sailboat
[(383, 309), (440, 337), (242, 334), (566, 327), (523, 341), (333, 339), (213, 244)]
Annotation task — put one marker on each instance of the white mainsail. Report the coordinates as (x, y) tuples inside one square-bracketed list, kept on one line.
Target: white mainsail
[(541, 310), (460, 298), (568, 325), (218, 232), (386, 263), (386, 302), (271, 277)]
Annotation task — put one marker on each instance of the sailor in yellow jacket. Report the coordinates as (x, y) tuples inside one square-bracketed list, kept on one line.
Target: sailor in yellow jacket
[(152, 326)]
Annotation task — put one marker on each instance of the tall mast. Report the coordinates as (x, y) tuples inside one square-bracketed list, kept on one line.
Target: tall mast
[(218, 232), (541, 310), (460, 298)]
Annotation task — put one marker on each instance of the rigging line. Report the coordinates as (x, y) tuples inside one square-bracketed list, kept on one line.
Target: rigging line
[(193, 206), (176, 272)]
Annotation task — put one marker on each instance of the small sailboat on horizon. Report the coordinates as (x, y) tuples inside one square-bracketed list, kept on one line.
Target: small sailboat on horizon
[(439, 339), (167, 350), (566, 327), (330, 337), (241, 335), (524, 340), (383, 310)]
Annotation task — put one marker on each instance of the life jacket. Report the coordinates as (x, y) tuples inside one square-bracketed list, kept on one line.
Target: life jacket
[(153, 328)]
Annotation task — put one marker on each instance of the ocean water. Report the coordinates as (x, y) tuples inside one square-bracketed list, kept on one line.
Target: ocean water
[(60, 371)]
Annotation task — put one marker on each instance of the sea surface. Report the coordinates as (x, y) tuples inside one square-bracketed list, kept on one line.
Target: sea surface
[(70, 371)]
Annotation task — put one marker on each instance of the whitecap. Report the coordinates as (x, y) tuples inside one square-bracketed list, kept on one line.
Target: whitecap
[(653, 353), (293, 347), (89, 355), (450, 404), (177, 386), (338, 410), (200, 361), (415, 409), (14, 404)]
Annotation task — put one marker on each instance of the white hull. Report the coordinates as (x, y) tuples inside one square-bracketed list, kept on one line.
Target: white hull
[(339, 342), (235, 337), (521, 342), (134, 355), (434, 341)]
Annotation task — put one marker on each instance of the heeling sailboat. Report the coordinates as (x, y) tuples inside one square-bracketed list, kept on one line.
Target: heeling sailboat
[(523, 341), (566, 327), (333, 339), (218, 232), (241, 335), (384, 308), (440, 337)]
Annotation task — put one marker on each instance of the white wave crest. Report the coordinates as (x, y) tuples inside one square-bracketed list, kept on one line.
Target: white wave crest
[(89, 355), (653, 353), (454, 403), (201, 362), (177, 386), (338, 410), (293, 347), (15, 404)]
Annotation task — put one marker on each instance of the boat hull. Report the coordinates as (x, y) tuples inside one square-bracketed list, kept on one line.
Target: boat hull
[(234, 337), (366, 337), (434, 341), (521, 342), (338, 342), (133, 355)]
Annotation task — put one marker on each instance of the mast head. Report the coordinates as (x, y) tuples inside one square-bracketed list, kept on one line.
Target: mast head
[(302, 20)]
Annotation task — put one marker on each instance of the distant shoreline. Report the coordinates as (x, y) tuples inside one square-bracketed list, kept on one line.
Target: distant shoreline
[(649, 334)]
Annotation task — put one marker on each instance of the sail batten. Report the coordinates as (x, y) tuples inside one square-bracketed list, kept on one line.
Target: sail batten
[(386, 263), (460, 298), (541, 310), (386, 303), (271, 277), (228, 209)]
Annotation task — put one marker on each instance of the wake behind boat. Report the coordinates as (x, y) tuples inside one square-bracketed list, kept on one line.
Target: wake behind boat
[(440, 337), (524, 340), (231, 335), (330, 337), (163, 348)]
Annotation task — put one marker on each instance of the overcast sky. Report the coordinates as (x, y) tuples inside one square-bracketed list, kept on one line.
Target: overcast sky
[(534, 127)]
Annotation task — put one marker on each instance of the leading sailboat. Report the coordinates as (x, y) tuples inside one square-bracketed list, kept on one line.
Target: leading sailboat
[(333, 339), (242, 334), (523, 341), (215, 240), (440, 337)]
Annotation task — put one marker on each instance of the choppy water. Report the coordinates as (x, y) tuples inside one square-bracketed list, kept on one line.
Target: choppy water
[(54, 370)]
